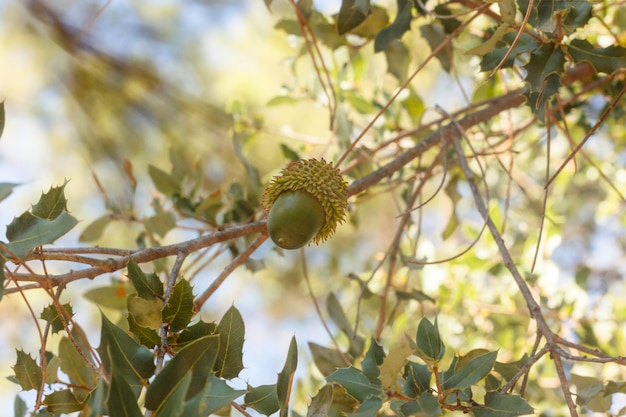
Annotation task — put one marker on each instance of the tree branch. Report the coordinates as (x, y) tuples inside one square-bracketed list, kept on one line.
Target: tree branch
[(142, 255), (445, 134), (533, 306), (241, 258)]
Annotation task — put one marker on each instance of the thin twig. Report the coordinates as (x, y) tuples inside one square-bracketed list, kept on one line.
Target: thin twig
[(318, 310), (145, 255), (556, 358), (316, 54), (239, 259), (240, 408), (164, 330), (533, 307), (545, 195), (524, 384), (401, 88), (591, 131), (524, 369), (446, 133), (90, 23)]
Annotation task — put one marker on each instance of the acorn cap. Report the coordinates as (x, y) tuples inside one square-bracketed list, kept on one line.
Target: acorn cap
[(321, 180)]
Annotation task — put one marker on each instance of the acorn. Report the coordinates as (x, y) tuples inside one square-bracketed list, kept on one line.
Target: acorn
[(305, 203)]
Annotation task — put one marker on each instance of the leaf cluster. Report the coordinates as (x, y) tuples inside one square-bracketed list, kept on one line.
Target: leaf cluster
[(411, 380), (544, 52), (121, 378)]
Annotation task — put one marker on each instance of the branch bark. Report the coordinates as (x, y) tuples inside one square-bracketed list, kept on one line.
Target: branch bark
[(445, 134), (119, 258)]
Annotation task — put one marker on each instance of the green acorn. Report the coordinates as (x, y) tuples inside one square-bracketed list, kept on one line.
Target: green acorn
[(305, 202)]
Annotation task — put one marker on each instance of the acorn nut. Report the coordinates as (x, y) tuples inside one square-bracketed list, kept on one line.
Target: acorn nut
[(305, 203)]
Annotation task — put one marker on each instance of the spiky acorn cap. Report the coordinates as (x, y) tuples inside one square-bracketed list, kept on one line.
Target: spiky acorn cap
[(321, 180)]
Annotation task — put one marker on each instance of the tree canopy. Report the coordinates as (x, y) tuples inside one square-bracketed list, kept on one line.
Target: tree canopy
[(467, 159)]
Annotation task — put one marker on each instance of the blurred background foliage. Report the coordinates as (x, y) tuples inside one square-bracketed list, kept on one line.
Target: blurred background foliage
[(169, 117)]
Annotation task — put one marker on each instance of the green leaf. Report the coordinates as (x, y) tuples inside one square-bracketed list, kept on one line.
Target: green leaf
[(285, 378), (393, 363), (197, 359), (338, 316), (373, 361), (453, 194), (62, 401), (369, 408), (544, 61), (112, 296), (613, 387), (435, 36), (6, 188), (376, 20), (146, 336), (586, 388), (398, 60), (232, 333), (449, 23), (164, 182), (500, 405), (175, 403), (320, 404), (428, 341), (51, 315), (543, 13), (401, 24), (416, 295), (351, 14), (425, 405), (417, 379), (508, 370), (525, 44), (355, 383), (179, 308), (51, 204), (283, 100), (289, 153), (220, 394), (326, 359), (121, 400), (475, 370), (145, 313), (605, 60), (253, 179), (96, 405), (262, 399), (148, 286), (577, 16), (160, 223), (358, 103), (52, 368), (19, 407), (537, 100), (75, 367), (95, 229), (28, 232), (196, 331), (215, 396), (465, 359), (209, 208), (132, 361), (27, 372)]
